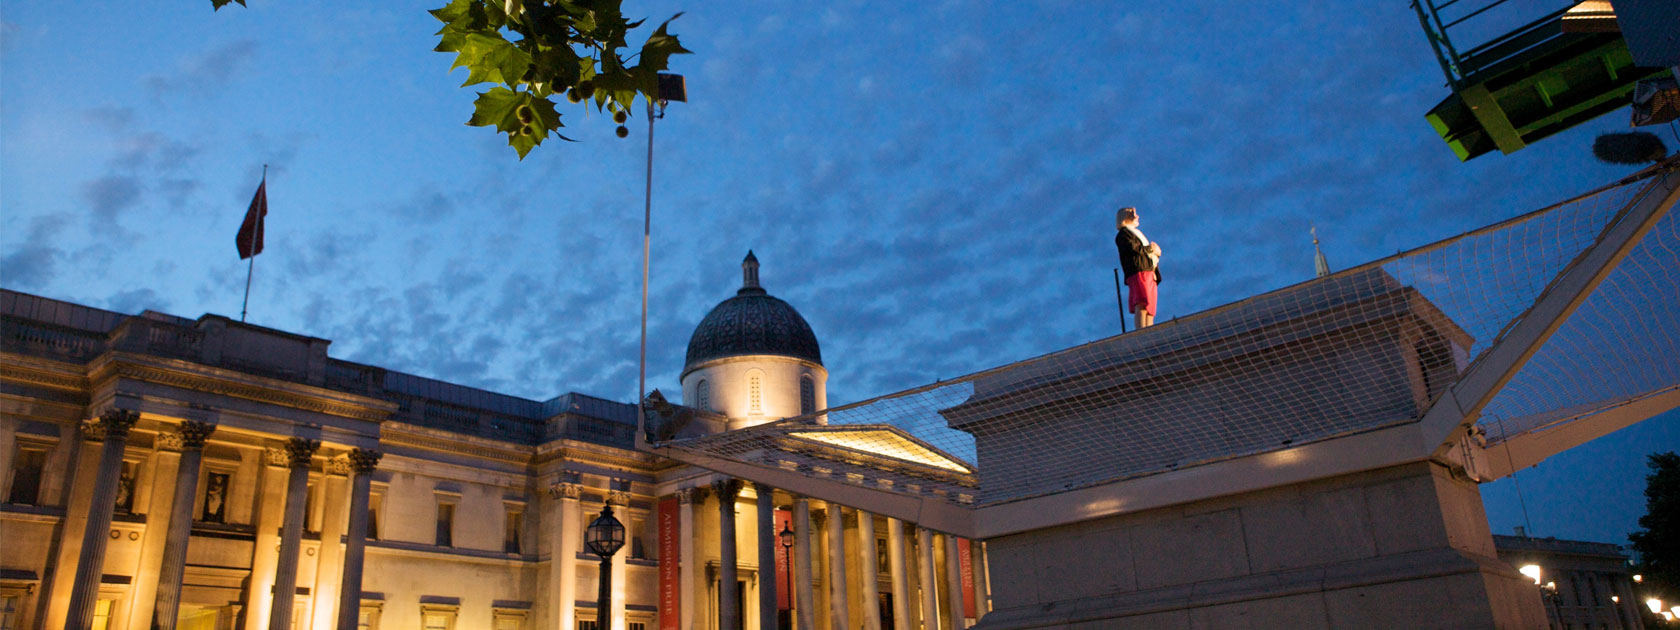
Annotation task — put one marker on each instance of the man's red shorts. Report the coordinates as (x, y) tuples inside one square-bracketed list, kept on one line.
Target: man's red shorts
[(1140, 292)]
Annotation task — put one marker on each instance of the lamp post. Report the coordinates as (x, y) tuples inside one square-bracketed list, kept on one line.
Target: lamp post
[(604, 537), (786, 537), (671, 88)]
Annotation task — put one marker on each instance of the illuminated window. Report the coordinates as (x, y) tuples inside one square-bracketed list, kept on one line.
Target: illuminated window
[(586, 624), (754, 393), (311, 505), (807, 395), (26, 475), (510, 619), (703, 395), (438, 616), (368, 617), (102, 614), (215, 498)]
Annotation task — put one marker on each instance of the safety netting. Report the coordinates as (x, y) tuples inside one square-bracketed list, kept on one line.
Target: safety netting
[(1360, 350)]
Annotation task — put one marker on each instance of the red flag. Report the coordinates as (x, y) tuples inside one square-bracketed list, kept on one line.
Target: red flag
[(250, 239)]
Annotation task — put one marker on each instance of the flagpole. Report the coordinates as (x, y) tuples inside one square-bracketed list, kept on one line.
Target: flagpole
[(256, 236)]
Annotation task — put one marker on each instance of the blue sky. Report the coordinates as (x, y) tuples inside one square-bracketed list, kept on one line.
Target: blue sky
[(931, 184)]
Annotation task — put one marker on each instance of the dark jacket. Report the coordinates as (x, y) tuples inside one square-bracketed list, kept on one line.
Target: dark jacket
[(1133, 257)]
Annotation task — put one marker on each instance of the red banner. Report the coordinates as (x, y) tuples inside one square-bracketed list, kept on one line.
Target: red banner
[(784, 573), (965, 557), (670, 557)]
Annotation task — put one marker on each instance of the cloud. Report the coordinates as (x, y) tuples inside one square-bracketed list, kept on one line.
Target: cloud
[(137, 300), (205, 72), (109, 195), (34, 263)]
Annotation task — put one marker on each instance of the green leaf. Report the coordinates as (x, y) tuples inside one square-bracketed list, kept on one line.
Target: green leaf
[(216, 5), (657, 51)]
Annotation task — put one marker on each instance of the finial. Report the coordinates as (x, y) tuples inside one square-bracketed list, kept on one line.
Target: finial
[(1320, 265), (749, 276)]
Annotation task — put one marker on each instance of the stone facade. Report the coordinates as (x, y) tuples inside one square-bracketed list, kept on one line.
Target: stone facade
[(470, 505)]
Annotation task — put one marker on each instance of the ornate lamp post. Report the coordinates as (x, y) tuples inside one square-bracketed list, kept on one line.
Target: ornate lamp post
[(604, 537), (786, 537)]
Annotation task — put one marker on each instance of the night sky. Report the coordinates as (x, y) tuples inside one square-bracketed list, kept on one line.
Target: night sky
[(931, 184)]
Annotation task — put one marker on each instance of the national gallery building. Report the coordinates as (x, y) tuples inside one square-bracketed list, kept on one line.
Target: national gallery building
[(164, 472)]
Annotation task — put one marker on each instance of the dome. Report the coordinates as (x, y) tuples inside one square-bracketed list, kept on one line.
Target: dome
[(752, 322)]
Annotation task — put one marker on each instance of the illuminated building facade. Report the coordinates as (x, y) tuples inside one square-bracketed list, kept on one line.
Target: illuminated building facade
[(243, 478)]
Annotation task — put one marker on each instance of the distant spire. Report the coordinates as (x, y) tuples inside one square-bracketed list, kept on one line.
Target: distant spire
[(749, 276), (1321, 265)]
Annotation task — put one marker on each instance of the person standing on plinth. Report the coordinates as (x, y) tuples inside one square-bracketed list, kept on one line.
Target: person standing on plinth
[(1140, 259)]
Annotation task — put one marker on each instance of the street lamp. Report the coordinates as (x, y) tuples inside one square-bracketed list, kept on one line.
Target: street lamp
[(787, 561), (671, 88), (604, 537)]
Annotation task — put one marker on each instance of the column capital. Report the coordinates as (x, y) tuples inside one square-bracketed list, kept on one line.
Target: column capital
[(111, 424), (763, 488), (194, 433), (726, 489), (563, 490), (300, 450), (618, 497), (691, 495), (364, 461)]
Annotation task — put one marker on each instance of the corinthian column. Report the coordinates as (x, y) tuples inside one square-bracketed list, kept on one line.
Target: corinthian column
[(112, 430), (838, 612), (868, 599), (362, 464), (686, 498), (900, 574), (620, 564), (562, 557), (298, 451), (929, 579), (805, 602), (767, 579), (729, 600), (193, 436)]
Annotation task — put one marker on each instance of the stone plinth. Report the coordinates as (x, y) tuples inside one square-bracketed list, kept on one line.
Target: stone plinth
[(1403, 547)]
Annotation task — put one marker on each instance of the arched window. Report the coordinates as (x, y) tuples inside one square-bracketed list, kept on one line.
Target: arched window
[(703, 395), (754, 392), (807, 395)]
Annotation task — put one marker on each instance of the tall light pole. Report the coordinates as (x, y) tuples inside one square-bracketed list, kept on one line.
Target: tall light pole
[(604, 537), (671, 88)]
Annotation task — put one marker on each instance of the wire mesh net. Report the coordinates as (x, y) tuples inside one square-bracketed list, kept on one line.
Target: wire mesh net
[(1359, 350)]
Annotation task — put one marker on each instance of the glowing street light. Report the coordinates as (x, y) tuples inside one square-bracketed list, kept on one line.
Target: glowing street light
[(1532, 571), (1655, 605), (604, 537), (1638, 578)]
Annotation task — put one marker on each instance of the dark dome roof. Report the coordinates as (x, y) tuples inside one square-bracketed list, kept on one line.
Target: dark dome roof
[(752, 322)]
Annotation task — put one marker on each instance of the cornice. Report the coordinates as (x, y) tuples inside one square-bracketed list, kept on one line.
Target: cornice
[(405, 435), (35, 371), (585, 452), (223, 382)]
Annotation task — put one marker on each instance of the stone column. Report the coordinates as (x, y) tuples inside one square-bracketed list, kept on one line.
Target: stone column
[(362, 464), (896, 554), (112, 431), (953, 583), (929, 579), (871, 570), (193, 434), (562, 557), (767, 582), (982, 589), (805, 601), (620, 563), (686, 498), (838, 615), (298, 451), (729, 604)]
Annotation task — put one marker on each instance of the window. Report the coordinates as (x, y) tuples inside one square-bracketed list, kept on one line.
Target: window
[(438, 616), (586, 624), (368, 617), (637, 625), (445, 525), (375, 502), (216, 486), (26, 476), (311, 503), (807, 395), (703, 395), (10, 610), (637, 549), (509, 619), (754, 393), (125, 487), (102, 614), (514, 521)]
